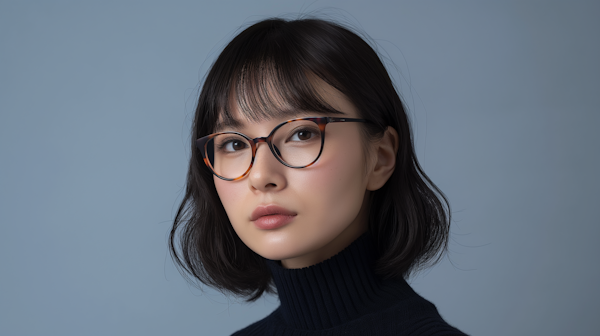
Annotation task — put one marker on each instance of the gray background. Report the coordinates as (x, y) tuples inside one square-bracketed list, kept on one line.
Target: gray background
[(96, 100)]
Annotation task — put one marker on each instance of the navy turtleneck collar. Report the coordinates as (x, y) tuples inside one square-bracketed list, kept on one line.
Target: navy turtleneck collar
[(336, 290)]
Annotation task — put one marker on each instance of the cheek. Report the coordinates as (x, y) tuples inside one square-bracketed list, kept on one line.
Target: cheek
[(230, 196), (335, 188)]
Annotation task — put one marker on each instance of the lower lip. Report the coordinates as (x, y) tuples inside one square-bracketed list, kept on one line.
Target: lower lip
[(272, 221)]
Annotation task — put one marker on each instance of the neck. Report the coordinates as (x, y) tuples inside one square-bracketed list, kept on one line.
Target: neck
[(332, 248), (335, 291)]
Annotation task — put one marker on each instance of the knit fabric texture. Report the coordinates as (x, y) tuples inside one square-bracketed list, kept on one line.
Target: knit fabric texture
[(343, 296)]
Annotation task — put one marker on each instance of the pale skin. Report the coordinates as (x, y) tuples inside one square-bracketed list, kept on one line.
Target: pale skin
[(330, 197)]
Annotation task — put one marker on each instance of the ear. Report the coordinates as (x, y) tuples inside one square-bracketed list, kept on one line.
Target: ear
[(384, 150)]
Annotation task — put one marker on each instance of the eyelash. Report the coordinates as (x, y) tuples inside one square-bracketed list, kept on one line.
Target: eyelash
[(226, 142)]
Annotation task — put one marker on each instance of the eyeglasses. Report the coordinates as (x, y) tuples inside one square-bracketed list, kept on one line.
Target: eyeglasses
[(296, 143)]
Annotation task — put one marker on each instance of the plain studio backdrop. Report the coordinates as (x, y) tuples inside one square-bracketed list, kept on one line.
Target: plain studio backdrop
[(96, 102)]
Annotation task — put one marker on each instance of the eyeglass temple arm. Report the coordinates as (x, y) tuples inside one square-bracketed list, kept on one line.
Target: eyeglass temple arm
[(334, 119)]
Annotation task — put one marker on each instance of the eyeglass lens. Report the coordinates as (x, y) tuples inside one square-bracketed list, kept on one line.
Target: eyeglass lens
[(297, 143)]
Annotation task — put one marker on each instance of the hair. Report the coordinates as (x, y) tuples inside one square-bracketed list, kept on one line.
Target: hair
[(269, 70)]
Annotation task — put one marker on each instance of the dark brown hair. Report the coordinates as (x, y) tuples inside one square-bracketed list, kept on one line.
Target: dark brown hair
[(268, 70)]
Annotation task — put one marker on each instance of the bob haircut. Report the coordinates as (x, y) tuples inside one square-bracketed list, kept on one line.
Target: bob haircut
[(269, 70)]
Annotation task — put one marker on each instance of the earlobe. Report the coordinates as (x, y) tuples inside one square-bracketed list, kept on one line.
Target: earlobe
[(385, 151)]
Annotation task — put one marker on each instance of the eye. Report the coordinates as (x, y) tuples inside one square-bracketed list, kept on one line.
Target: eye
[(232, 145), (302, 135), (235, 145)]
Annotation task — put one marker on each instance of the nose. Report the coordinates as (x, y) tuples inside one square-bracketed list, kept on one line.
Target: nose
[(267, 173)]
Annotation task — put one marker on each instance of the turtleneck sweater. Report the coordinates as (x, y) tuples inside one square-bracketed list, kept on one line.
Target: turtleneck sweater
[(344, 296)]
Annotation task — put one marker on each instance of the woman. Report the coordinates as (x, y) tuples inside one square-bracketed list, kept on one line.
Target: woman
[(303, 180)]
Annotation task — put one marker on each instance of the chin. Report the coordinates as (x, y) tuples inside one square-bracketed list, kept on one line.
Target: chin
[(279, 252), (298, 254)]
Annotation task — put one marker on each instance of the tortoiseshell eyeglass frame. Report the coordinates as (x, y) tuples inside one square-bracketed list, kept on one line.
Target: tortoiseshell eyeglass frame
[(320, 121)]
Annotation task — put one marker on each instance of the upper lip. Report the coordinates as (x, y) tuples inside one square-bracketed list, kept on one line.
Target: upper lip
[(272, 209)]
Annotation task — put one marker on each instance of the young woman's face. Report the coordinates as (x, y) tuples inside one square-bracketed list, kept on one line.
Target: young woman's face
[(302, 216)]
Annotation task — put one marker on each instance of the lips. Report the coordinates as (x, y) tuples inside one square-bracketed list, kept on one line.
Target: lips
[(271, 217)]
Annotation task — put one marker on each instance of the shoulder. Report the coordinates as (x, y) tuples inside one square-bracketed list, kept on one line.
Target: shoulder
[(413, 316), (404, 312), (263, 327)]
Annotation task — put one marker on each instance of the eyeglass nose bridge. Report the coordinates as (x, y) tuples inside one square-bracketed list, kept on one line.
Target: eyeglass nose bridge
[(267, 140)]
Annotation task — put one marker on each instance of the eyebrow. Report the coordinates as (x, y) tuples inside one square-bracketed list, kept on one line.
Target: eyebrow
[(237, 124), (228, 123)]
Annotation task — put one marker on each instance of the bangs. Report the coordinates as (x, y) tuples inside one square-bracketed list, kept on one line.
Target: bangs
[(268, 90), (270, 77)]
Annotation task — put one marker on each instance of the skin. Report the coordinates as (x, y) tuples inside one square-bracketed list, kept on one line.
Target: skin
[(329, 197)]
